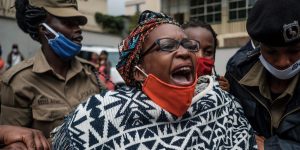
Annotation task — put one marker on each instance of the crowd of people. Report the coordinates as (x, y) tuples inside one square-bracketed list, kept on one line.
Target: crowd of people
[(173, 98), (103, 66)]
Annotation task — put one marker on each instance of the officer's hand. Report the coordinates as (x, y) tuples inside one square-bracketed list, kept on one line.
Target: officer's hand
[(15, 146), (224, 84), (33, 139), (260, 142)]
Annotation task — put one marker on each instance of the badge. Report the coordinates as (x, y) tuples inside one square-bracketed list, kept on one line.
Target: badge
[(291, 31)]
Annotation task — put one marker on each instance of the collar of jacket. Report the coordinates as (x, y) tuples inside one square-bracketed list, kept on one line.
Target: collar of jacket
[(41, 65), (250, 55)]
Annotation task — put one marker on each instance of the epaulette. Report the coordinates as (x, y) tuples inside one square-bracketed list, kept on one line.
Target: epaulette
[(10, 73), (93, 68), (243, 56), (83, 61), (250, 56)]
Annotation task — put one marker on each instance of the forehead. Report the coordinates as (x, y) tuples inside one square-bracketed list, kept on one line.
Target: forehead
[(198, 32), (54, 19), (66, 20), (167, 30), (293, 47), (103, 55)]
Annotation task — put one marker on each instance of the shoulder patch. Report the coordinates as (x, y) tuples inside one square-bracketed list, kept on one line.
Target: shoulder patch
[(10, 73)]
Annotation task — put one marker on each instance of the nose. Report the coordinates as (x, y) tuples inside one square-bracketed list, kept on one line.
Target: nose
[(183, 53), (77, 29), (283, 62)]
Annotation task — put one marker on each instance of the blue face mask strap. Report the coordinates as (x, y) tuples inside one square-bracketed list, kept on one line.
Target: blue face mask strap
[(49, 29)]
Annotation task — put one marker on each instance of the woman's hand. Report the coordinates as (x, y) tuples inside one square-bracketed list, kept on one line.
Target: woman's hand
[(260, 142), (224, 84)]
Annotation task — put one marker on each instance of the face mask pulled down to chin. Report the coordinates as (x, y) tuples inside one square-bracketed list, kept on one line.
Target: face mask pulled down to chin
[(174, 99), (281, 74), (204, 66), (15, 51), (61, 45)]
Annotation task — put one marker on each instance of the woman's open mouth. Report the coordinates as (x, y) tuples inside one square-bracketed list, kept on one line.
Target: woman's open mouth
[(183, 76)]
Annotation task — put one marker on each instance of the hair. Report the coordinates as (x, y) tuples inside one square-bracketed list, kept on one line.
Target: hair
[(104, 52), (15, 46), (198, 23), (29, 18)]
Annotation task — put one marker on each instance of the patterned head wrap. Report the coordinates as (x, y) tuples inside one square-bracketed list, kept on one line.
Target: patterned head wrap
[(131, 47)]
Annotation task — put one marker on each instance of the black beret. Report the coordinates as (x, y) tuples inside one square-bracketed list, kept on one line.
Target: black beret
[(275, 22)]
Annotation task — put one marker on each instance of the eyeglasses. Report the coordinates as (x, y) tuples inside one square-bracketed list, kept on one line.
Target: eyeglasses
[(170, 45)]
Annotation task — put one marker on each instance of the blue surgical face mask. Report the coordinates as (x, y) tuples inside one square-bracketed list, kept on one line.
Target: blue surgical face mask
[(61, 45), (281, 74)]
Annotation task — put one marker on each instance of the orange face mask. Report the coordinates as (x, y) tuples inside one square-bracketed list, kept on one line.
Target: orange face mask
[(174, 99)]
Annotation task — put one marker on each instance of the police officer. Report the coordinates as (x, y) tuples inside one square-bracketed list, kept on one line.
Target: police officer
[(40, 91), (266, 80)]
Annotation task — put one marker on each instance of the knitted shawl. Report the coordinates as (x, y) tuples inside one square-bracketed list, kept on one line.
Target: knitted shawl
[(128, 119)]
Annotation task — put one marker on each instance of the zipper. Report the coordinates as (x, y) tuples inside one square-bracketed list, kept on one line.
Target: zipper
[(271, 128)]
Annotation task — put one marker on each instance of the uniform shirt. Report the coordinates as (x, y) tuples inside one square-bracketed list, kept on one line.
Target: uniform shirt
[(33, 95), (256, 77)]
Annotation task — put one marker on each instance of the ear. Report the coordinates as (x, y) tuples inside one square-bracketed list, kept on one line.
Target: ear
[(41, 33), (44, 32), (138, 75), (42, 29)]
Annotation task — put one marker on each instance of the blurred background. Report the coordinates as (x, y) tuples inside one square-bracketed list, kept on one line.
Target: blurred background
[(111, 20)]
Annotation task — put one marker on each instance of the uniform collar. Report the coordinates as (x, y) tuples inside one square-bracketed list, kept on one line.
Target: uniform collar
[(40, 65), (256, 76)]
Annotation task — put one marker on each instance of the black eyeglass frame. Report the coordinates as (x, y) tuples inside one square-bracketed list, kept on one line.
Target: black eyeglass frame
[(178, 43)]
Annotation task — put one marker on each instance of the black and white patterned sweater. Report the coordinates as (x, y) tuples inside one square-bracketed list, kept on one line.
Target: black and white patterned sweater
[(128, 119)]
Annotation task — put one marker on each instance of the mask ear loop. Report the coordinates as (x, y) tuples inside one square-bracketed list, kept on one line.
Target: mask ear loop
[(49, 29), (138, 68)]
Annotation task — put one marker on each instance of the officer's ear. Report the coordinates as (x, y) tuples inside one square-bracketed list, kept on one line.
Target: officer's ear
[(43, 31)]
